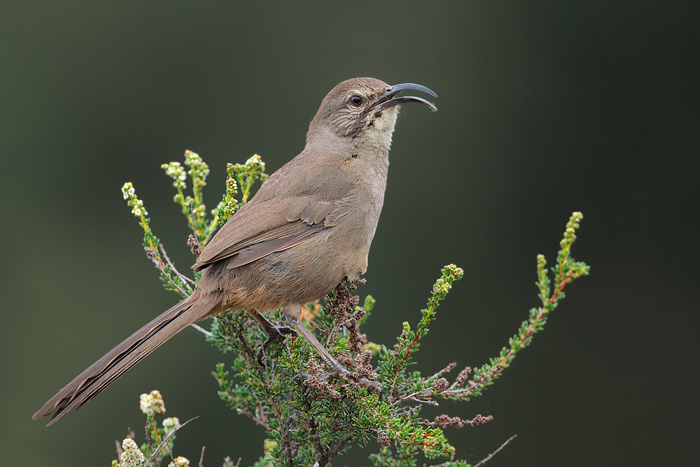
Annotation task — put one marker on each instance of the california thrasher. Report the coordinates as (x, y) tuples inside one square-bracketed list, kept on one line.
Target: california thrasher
[(309, 226)]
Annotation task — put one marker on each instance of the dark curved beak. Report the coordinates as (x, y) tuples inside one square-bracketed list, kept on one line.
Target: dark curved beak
[(389, 99)]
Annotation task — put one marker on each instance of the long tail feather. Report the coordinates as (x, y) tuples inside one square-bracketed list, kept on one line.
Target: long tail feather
[(107, 369)]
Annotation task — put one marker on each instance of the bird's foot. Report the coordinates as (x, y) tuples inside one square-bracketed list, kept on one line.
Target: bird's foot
[(274, 334), (352, 377)]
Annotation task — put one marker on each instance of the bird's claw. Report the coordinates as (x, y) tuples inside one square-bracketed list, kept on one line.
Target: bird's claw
[(349, 377), (274, 334)]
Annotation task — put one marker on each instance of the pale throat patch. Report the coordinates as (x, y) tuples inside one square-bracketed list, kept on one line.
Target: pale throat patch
[(382, 128)]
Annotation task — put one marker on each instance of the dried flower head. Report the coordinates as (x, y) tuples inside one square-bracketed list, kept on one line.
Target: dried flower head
[(383, 439)]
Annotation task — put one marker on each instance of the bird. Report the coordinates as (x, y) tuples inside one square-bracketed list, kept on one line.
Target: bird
[(308, 227)]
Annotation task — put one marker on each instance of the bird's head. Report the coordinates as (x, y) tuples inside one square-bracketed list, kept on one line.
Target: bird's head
[(363, 110)]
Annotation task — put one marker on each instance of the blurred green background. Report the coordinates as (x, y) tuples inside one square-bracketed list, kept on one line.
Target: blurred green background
[(545, 108)]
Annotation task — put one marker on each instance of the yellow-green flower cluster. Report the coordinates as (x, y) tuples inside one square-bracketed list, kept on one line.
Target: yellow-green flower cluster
[(177, 172), (443, 285), (129, 193), (229, 205), (453, 271), (570, 232), (254, 166), (180, 462), (132, 455), (253, 169), (152, 404), (199, 170)]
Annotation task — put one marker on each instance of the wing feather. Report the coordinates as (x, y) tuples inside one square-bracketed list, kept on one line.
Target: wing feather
[(285, 211)]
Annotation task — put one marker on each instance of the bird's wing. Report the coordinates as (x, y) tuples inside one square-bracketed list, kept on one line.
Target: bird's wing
[(277, 218), (270, 227)]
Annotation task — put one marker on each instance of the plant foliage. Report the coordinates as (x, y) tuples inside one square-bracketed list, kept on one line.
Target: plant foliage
[(309, 416)]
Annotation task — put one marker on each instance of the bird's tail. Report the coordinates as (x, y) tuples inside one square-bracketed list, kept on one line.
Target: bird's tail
[(107, 369)]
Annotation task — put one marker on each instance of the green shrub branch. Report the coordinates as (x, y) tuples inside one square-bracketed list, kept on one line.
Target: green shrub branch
[(309, 416)]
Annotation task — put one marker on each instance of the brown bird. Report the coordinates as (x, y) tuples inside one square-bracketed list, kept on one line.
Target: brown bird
[(309, 226)]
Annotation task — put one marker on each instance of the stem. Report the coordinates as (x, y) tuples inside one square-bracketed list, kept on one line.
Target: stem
[(419, 332), (210, 230), (185, 209), (490, 456), (186, 280), (246, 190)]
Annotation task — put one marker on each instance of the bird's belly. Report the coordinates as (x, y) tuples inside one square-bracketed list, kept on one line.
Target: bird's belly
[(301, 274)]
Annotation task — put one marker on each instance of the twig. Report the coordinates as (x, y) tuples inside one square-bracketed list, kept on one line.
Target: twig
[(153, 256), (444, 420), (201, 329), (193, 216), (172, 432), (490, 456), (248, 414), (201, 458), (183, 277), (447, 369), (414, 397)]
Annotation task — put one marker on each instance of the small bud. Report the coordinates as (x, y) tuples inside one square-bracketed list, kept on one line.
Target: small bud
[(541, 261)]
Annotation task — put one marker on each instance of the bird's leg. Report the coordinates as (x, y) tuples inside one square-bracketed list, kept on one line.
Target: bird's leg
[(292, 315), (274, 333)]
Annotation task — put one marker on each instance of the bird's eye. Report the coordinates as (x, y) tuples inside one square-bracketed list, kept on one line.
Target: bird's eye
[(356, 100)]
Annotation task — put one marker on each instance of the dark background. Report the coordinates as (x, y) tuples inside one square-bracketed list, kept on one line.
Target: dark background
[(545, 108)]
